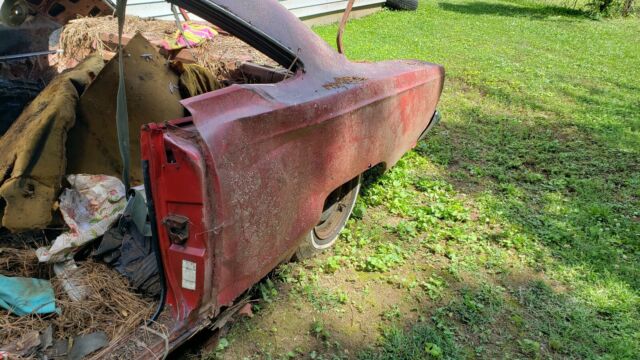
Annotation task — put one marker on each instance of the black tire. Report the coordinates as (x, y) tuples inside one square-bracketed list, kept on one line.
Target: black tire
[(411, 5), (337, 209)]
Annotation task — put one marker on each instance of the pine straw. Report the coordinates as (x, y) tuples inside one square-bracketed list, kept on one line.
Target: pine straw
[(22, 262), (82, 36), (112, 307), (225, 49)]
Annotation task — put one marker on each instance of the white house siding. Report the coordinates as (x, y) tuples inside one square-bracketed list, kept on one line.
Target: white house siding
[(302, 8)]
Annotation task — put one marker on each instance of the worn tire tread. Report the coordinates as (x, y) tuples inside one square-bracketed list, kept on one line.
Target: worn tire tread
[(411, 5)]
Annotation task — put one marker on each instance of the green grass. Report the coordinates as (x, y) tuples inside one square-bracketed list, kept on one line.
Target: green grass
[(514, 230)]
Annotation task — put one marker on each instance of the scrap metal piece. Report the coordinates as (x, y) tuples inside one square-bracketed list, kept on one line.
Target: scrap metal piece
[(46, 338), (86, 344), (24, 347), (60, 349)]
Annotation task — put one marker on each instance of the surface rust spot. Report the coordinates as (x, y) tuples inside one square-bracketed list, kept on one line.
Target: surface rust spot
[(343, 81)]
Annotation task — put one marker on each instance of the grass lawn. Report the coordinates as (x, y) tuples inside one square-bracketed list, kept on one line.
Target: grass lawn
[(513, 231)]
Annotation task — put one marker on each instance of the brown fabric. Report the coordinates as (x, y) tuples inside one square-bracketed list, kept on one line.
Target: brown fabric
[(152, 96), (32, 155)]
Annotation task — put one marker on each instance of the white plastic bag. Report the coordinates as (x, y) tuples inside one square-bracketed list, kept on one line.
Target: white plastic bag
[(89, 208)]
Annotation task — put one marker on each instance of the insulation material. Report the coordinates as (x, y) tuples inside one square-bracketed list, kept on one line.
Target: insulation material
[(152, 96), (32, 152)]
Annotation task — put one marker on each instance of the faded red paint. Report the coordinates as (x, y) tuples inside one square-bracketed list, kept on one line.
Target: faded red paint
[(254, 163)]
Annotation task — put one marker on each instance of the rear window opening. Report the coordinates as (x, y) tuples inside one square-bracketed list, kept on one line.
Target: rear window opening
[(229, 59)]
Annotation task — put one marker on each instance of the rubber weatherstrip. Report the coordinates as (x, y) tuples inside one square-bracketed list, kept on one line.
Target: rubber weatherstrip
[(155, 240), (122, 115)]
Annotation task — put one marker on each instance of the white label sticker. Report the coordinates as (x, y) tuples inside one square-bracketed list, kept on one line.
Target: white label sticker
[(189, 275)]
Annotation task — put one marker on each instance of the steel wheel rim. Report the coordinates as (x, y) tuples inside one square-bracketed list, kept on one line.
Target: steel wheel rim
[(335, 214)]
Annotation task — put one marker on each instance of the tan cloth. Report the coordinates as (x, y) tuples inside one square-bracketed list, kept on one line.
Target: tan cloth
[(152, 97), (32, 152), (195, 79)]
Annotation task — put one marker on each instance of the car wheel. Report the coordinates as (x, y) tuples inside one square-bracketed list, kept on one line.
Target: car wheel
[(336, 211), (403, 4)]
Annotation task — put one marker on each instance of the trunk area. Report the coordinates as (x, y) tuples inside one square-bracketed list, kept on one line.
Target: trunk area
[(68, 230)]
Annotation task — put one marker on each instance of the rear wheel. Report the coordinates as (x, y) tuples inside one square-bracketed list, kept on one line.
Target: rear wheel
[(337, 209), (403, 4)]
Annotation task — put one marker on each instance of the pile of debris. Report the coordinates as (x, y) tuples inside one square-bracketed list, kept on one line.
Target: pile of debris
[(109, 310), (78, 272), (214, 49), (75, 295)]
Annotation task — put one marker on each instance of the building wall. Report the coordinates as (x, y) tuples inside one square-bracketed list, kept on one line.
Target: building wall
[(304, 9)]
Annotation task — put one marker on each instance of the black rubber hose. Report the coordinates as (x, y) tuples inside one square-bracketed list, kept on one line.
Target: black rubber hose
[(155, 241)]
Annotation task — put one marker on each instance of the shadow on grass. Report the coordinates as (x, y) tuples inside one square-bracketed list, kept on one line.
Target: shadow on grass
[(568, 191), (485, 8), (517, 316)]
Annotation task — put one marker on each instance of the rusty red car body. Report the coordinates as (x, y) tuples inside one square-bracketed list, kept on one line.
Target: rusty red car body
[(253, 165), (237, 185)]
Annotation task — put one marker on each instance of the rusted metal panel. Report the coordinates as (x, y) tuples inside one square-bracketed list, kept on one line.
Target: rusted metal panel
[(254, 163), (263, 144), (179, 189)]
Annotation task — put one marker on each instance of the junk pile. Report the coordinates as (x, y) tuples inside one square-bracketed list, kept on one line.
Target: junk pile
[(63, 300), (77, 270)]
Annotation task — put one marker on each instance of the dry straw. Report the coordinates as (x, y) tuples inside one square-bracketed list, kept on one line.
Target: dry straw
[(112, 306)]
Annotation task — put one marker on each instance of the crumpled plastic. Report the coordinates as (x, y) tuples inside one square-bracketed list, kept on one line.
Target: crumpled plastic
[(191, 35), (24, 296), (72, 283), (89, 208)]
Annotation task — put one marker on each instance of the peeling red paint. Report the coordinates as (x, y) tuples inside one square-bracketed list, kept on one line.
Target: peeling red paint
[(254, 163)]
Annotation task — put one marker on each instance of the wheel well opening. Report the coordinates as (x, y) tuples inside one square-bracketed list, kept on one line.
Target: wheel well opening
[(373, 174)]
